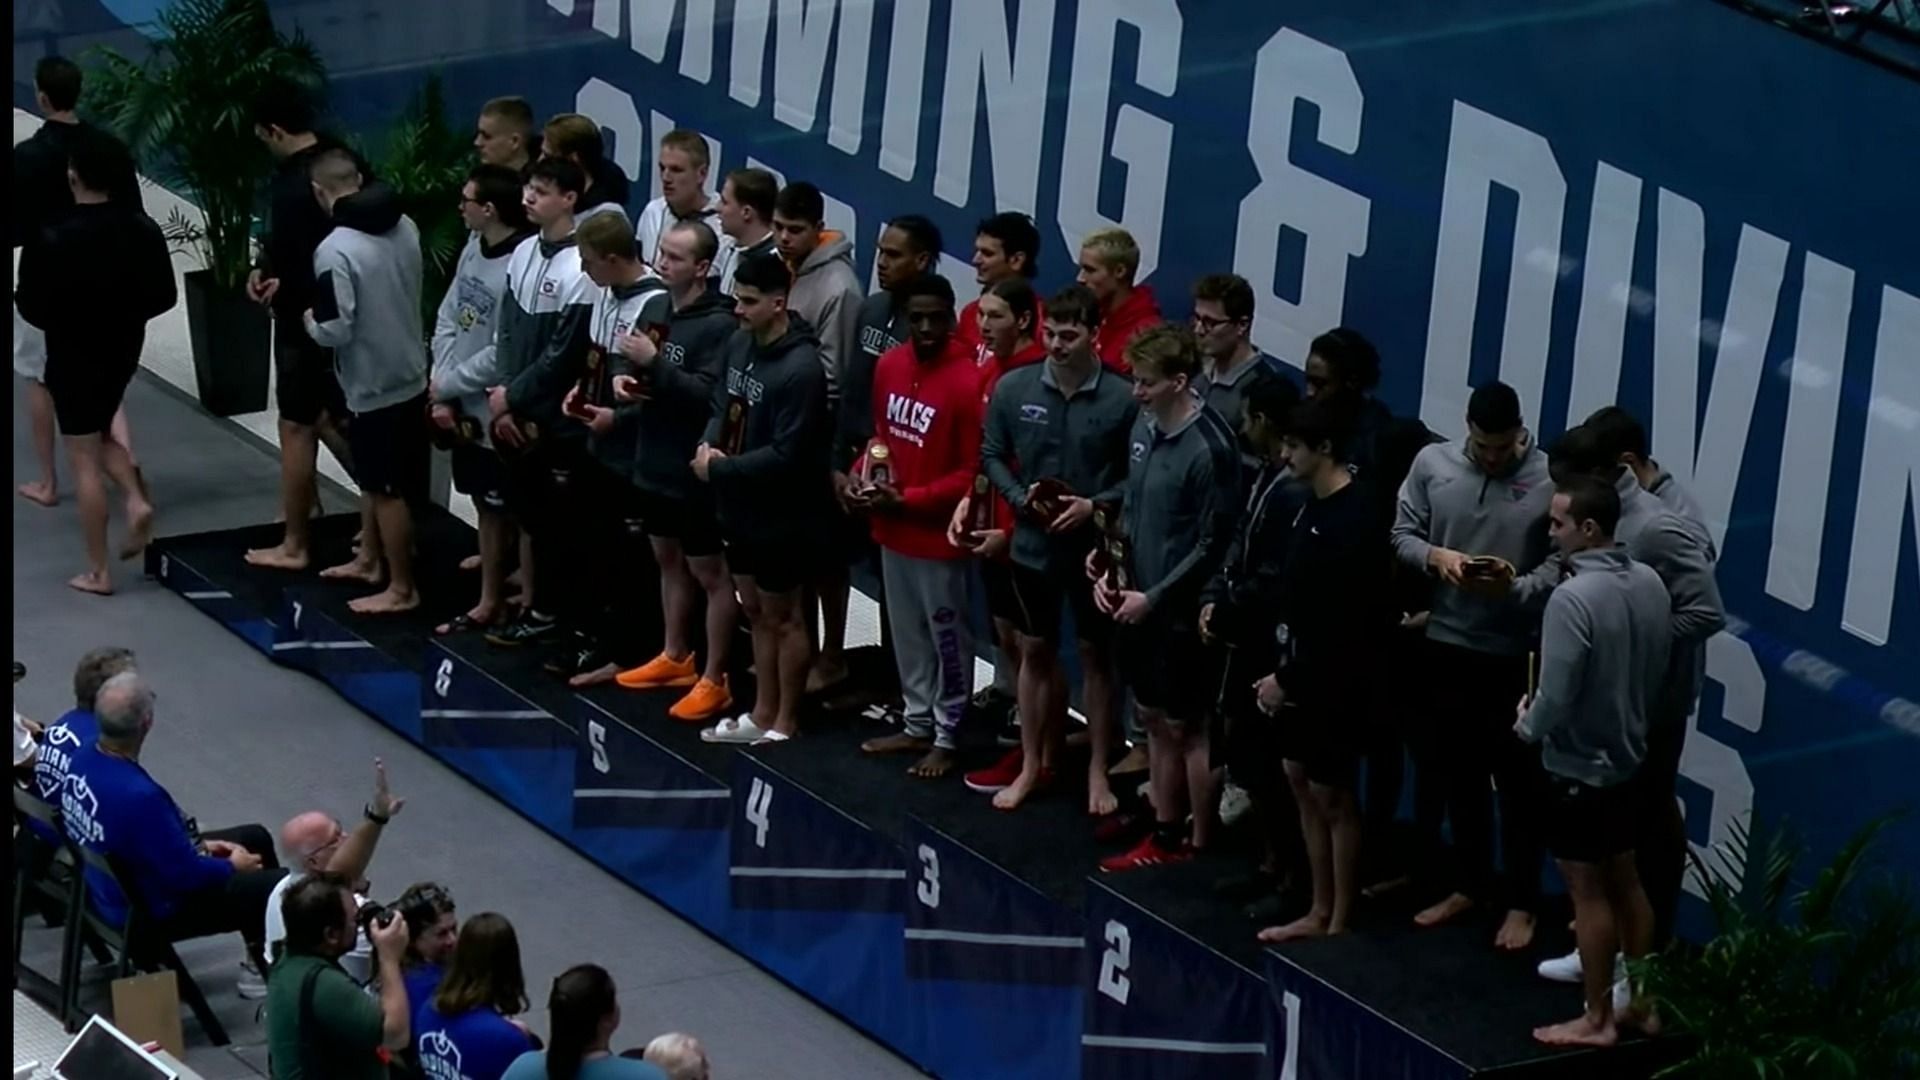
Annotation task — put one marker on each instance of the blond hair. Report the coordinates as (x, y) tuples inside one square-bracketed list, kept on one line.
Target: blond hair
[(1115, 248), (575, 136), (1166, 351)]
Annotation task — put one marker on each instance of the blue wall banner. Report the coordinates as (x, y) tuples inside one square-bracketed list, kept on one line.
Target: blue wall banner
[(507, 744)]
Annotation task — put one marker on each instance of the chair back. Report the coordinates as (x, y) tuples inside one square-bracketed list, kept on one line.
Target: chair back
[(30, 807)]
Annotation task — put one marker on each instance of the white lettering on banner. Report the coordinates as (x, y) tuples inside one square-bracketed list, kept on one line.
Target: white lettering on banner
[(1606, 292), (1813, 407), (759, 801), (1889, 471), (749, 51), (649, 22), (597, 744), (906, 75), (928, 889), (1014, 79), (1482, 151), (1142, 140), (1115, 961), (800, 62), (613, 109), (1716, 766), (1292, 68)]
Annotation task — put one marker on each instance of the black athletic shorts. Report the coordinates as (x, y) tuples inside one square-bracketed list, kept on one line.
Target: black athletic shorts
[(996, 577), (1325, 739), (477, 473), (1168, 668), (689, 521), (1591, 824), (392, 450), (1040, 594), (305, 385), (87, 390), (777, 566)]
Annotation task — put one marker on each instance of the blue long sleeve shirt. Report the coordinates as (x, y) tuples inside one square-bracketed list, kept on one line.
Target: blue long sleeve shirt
[(110, 804)]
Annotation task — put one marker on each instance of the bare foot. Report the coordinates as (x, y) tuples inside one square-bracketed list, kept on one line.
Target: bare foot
[(278, 558), (388, 602), (471, 562), (1134, 762), (1100, 799), (602, 674), (1516, 931), (1445, 911), (823, 677), (936, 764), (99, 584), (365, 572), (1582, 1032), (36, 491), (1023, 786), (898, 743), (139, 528), (1306, 926)]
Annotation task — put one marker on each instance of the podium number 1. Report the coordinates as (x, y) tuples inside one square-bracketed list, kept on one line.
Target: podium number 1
[(1114, 963), (759, 798), (1290, 1063), (929, 888)]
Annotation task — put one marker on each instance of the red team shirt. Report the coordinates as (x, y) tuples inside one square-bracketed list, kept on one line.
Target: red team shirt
[(969, 328), (1121, 325), (929, 415)]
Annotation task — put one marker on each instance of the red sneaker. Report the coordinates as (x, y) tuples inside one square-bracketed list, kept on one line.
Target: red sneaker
[(1122, 827), (1147, 852), (999, 776)]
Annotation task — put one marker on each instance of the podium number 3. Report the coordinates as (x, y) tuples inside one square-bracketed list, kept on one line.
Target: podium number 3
[(929, 888), (1113, 965), (759, 798)]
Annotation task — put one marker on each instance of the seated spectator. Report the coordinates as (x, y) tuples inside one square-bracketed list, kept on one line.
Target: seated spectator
[(26, 736), (678, 1055), (313, 842), (468, 1028), (582, 1015), (433, 930), (194, 884), (76, 729), (320, 1024)]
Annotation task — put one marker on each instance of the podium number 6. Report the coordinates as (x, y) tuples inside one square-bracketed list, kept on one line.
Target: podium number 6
[(759, 798), (929, 888), (443, 678), (1113, 964)]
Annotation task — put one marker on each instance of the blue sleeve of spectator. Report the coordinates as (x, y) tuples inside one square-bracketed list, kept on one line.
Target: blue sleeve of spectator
[(162, 855)]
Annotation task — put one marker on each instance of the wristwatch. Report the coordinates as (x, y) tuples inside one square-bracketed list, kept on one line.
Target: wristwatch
[(377, 819)]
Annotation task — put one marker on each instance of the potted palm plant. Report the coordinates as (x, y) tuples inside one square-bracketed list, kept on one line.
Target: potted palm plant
[(186, 112), (426, 161)]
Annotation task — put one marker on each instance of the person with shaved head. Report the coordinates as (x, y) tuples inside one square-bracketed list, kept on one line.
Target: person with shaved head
[(316, 842)]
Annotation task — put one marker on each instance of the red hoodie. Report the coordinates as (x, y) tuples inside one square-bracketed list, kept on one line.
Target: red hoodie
[(930, 419), (991, 370), (1121, 325), (969, 328)]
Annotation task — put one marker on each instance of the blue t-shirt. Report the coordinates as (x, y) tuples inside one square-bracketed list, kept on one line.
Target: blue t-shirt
[(533, 1066), (110, 804), (477, 1044), (65, 737), (421, 982)]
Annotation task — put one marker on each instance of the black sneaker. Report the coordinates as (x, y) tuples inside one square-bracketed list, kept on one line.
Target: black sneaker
[(526, 630), (1009, 735), (580, 655)]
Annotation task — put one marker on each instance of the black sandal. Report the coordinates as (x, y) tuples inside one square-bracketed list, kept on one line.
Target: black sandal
[(459, 624)]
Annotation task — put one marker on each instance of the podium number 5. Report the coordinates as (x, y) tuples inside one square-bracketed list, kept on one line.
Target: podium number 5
[(597, 742), (759, 798), (1113, 964), (929, 888)]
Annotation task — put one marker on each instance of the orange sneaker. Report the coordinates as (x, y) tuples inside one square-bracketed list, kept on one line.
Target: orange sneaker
[(702, 703), (661, 671)]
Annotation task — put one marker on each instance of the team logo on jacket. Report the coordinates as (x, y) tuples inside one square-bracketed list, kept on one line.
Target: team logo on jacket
[(1518, 492), (675, 353), (80, 809), (439, 1057), (914, 415), (1033, 414), (742, 385), (1137, 451), (875, 341), (549, 287)]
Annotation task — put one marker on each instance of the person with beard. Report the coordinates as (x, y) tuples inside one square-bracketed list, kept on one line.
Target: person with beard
[(765, 457), (464, 365), (746, 221), (629, 302), (575, 138), (366, 307), (306, 384), (1469, 517), (675, 380), (504, 135), (927, 409), (683, 163), (1005, 246)]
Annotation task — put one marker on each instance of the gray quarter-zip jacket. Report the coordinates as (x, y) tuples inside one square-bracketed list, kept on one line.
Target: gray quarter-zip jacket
[(1181, 495), (827, 293), (1603, 656), (1081, 440), (1448, 501)]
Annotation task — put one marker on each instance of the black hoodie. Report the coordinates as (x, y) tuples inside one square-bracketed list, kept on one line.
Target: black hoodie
[(295, 226), (608, 191), (93, 280), (680, 385), (776, 487)]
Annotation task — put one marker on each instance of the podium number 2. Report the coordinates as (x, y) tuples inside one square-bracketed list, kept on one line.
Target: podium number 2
[(759, 798), (929, 888), (597, 742), (1113, 964)]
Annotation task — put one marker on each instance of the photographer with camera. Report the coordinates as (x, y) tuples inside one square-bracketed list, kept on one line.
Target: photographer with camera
[(433, 929), (319, 1022)]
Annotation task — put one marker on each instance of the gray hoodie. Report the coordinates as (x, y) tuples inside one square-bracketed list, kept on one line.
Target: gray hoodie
[(1449, 501), (1603, 657), (827, 294), (463, 356), (366, 301)]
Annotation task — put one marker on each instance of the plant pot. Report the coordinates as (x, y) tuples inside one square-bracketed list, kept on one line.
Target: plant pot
[(232, 342)]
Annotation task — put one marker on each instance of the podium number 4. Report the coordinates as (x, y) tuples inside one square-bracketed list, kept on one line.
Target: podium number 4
[(1114, 963), (759, 798), (928, 890)]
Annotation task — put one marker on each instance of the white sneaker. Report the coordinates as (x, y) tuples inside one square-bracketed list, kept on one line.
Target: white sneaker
[(1234, 803), (1562, 969), (1622, 994), (252, 985)]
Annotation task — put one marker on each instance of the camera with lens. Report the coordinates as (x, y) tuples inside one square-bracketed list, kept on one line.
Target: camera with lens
[(420, 906)]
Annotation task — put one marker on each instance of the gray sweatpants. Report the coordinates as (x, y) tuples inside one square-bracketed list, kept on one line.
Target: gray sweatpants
[(927, 607)]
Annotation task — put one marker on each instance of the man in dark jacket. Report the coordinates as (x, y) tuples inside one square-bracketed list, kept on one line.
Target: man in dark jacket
[(765, 455), (306, 388), (90, 283), (576, 138)]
